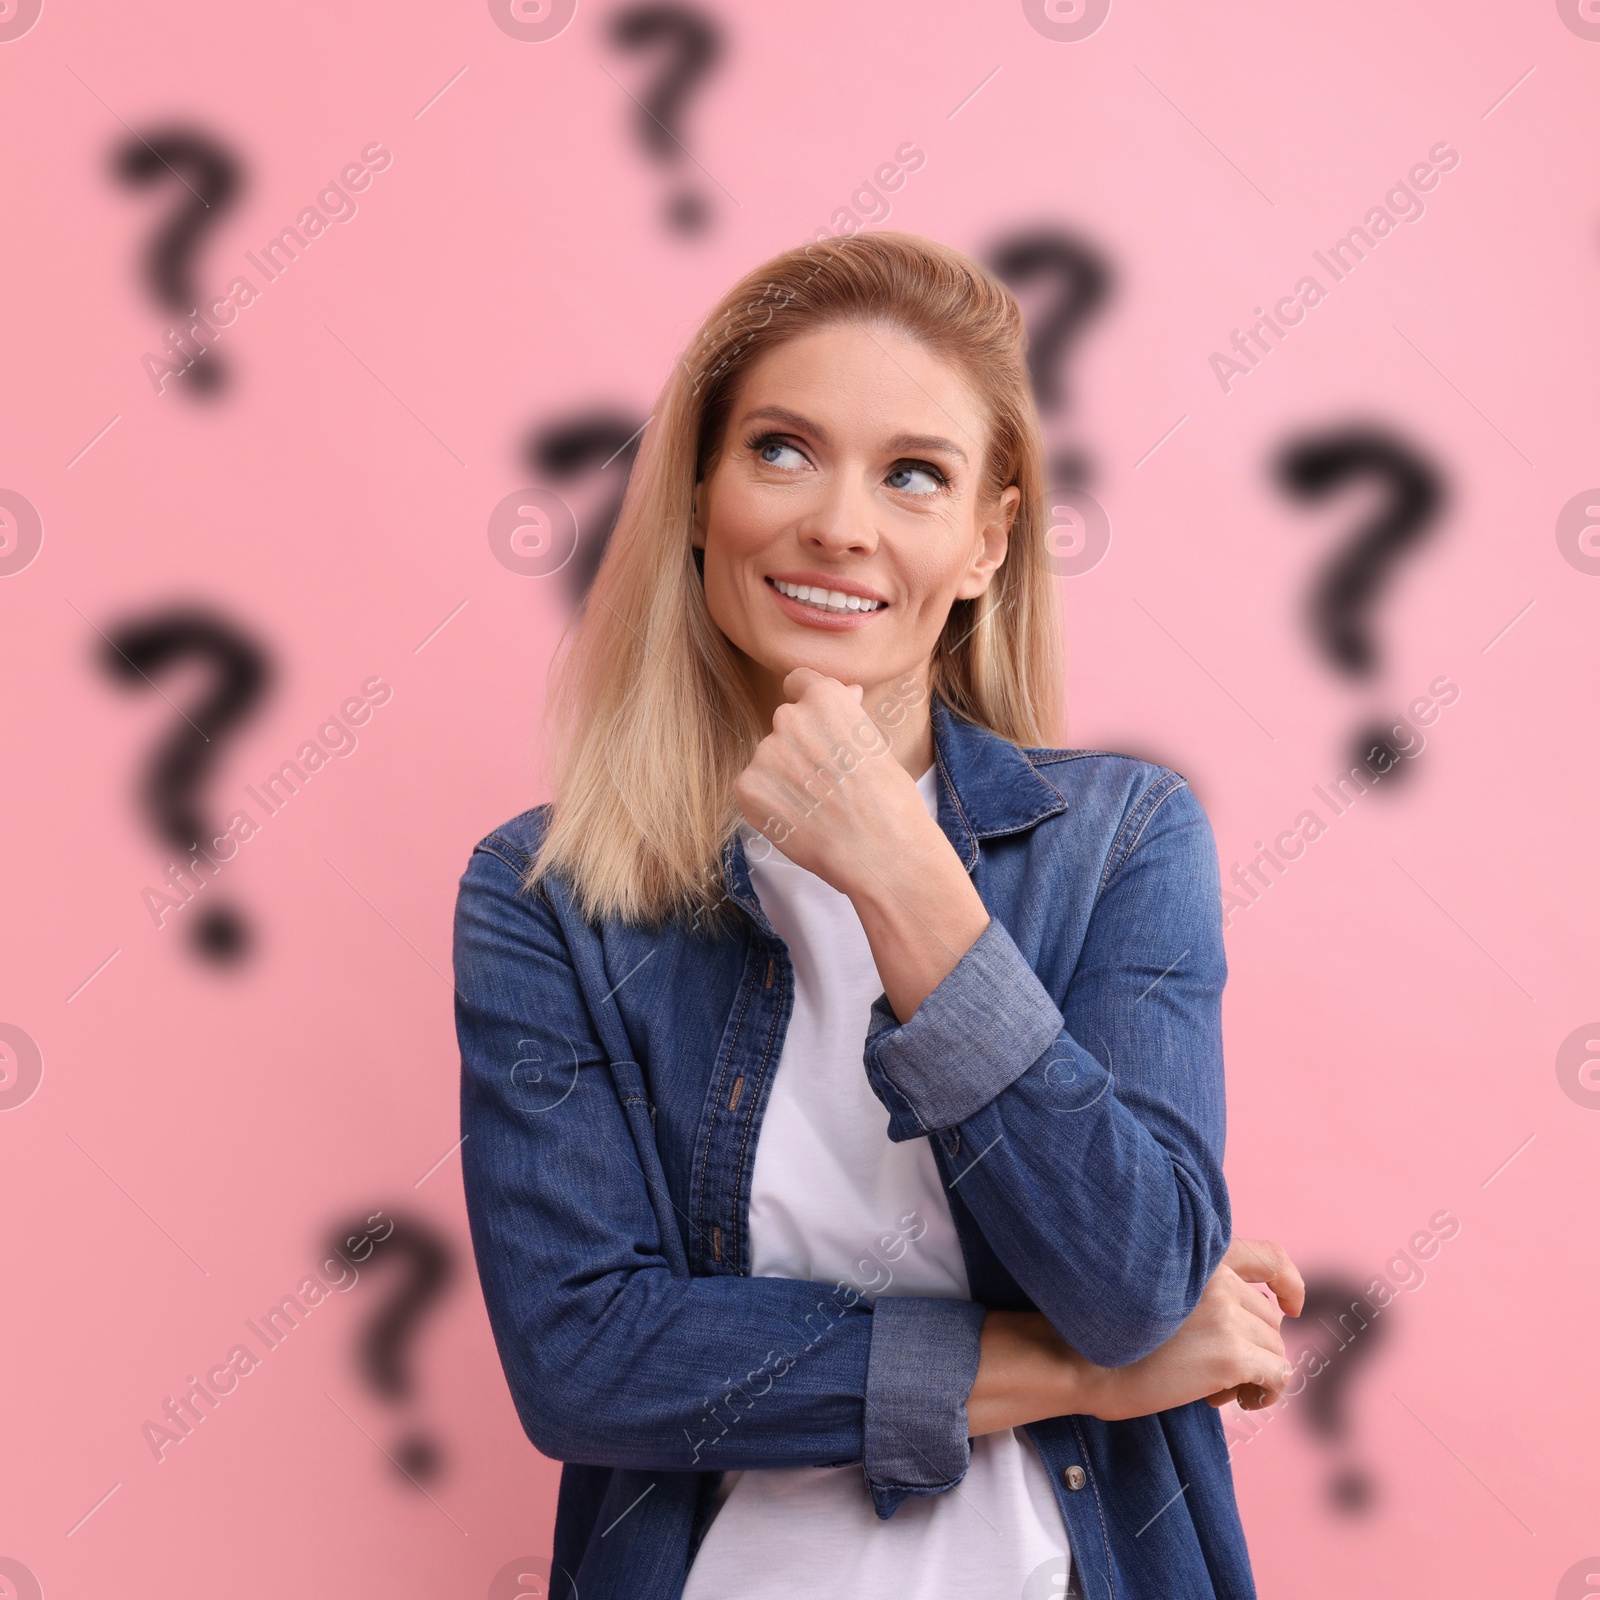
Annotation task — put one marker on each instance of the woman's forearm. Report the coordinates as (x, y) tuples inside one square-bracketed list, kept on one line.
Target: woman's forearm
[(921, 913), (1230, 1347), (1027, 1372)]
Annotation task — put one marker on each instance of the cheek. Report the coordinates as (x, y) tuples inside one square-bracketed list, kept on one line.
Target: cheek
[(933, 561), (742, 517), (740, 523)]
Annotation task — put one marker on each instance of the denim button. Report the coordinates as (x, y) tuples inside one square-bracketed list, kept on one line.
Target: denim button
[(1075, 1477)]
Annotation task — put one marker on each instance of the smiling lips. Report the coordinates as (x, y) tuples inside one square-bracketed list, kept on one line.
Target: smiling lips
[(817, 605)]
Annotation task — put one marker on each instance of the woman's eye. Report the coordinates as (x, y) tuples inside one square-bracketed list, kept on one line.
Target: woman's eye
[(914, 479), (771, 451)]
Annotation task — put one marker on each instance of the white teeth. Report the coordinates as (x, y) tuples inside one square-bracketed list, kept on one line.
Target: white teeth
[(826, 599)]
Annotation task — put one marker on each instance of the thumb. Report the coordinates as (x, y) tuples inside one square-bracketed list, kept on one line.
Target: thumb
[(858, 690)]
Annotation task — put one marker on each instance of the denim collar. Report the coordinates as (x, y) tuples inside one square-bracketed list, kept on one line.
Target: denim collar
[(987, 787)]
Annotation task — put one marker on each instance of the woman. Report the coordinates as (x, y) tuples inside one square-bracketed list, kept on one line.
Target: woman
[(842, 1086)]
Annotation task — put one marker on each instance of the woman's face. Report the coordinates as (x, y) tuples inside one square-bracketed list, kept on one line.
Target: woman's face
[(850, 472)]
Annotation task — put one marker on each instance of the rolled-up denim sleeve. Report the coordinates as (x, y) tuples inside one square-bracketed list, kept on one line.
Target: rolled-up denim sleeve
[(1087, 1127), (975, 1034), (920, 1370)]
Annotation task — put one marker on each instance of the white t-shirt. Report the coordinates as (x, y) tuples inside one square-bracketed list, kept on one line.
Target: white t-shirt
[(834, 1199)]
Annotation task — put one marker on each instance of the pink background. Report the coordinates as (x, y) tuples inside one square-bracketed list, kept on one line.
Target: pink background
[(1397, 999)]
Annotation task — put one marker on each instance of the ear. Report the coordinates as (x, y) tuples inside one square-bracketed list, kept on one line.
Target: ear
[(990, 543)]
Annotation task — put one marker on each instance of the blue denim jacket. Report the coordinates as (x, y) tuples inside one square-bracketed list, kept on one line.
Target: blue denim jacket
[(1068, 1076)]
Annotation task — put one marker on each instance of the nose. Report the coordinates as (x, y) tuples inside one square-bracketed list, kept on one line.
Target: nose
[(839, 521)]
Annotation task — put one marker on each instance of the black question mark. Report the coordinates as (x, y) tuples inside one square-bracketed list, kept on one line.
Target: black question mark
[(561, 452), (211, 176), (1080, 281), (1313, 466), (693, 42), (383, 1349), (137, 651), (1350, 1487)]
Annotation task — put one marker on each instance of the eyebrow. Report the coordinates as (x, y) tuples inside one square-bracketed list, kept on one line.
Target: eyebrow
[(901, 441)]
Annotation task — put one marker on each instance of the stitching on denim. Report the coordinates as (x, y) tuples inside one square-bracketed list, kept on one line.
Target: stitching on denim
[(488, 846), (1058, 794), (1099, 1511), (715, 1102), (1154, 806), (1054, 757), (1135, 823), (749, 1119), (955, 800)]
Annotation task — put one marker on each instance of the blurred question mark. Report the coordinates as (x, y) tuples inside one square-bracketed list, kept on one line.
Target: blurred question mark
[(1350, 1487), (593, 442), (211, 176), (1078, 282), (383, 1353), (692, 42), (1313, 466), (134, 653)]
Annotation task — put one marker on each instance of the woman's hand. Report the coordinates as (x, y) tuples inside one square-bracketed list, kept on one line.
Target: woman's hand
[(1229, 1349), (825, 787)]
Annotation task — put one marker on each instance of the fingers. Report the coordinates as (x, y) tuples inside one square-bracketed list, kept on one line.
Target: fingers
[(1259, 1305), (1256, 1356), (1263, 1332), (1271, 1378), (1246, 1395), (1234, 1290), (1268, 1372), (796, 683), (1265, 1261), (807, 711)]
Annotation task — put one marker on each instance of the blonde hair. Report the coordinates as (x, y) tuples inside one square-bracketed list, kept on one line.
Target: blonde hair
[(652, 716)]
